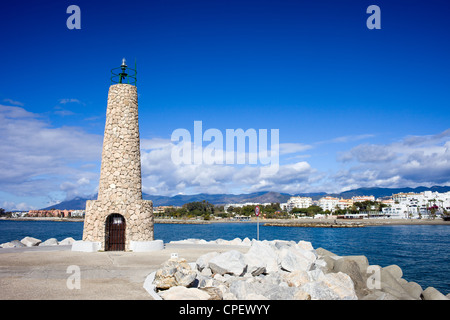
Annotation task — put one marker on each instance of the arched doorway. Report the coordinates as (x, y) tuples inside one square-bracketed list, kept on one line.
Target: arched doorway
[(115, 233)]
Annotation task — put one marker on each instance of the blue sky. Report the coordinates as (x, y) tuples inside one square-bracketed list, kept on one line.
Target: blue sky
[(354, 107)]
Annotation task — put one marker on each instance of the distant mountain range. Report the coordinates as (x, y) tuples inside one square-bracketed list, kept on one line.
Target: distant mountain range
[(79, 203)]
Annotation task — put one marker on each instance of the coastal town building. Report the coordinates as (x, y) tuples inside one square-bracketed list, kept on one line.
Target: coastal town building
[(328, 203), (240, 218), (403, 196), (77, 213), (19, 214), (240, 205), (344, 204), (411, 205), (418, 205), (396, 211), (54, 213), (363, 198), (298, 202), (388, 202)]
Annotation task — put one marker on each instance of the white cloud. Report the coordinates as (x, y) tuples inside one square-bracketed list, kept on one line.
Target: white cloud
[(65, 101), (412, 161), (63, 112), (155, 143), (349, 138), (369, 153), (288, 148), (161, 175), (12, 206), (38, 158), (13, 102)]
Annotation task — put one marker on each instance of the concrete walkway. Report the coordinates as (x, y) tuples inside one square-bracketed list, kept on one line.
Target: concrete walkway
[(41, 272)]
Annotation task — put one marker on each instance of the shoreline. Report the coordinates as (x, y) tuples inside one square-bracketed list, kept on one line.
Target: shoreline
[(349, 223), (272, 222), (43, 219)]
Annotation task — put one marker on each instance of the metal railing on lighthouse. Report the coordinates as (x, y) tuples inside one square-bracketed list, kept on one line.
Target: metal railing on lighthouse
[(124, 74)]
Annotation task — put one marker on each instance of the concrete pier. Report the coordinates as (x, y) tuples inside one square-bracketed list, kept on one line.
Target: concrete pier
[(42, 272)]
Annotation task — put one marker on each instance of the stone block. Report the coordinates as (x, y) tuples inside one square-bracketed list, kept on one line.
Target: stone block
[(291, 259), (146, 246), (174, 272), (432, 293), (362, 261), (183, 293), (230, 262), (333, 286), (203, 261), (30, 241), (49, 242), (67, 241), (351, 267), (413, 289), (13, 244), (394, 270), (86, 246)]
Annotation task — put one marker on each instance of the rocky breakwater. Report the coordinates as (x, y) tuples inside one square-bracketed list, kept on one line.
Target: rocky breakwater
[(33, 242), (282, 270), (316, 224)]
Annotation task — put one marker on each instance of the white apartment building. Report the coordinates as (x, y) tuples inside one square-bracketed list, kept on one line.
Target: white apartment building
[(298, 202), (403, 196), (363, 198), (396, 211), (414, 205), (328, 203), (331, 203), (345, 203), (77, 213)]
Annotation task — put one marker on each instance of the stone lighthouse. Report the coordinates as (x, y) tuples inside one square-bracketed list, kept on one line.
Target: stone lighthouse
[(120, 220)]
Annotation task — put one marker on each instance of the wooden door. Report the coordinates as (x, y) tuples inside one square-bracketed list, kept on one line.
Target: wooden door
[(115, 233)]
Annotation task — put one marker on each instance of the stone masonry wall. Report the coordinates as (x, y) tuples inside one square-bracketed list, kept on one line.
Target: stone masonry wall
[(120, 177), (120, 189)]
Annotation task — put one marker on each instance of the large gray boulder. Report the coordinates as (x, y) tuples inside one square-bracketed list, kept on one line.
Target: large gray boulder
[(49, 242), (350, 267), (255, 265), (306, 245), (390, 283), (395, 271), (13, 244), (203, 261), (30, 241), (332, 286), (324, 252), (183, 293), (262, 251), (174, 272), (413, 289), (361, 261), (327, 256), (431, 293), (291, 260), (230, 262), (67, 241), (379, 295), (297, 278), (244, 290)]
